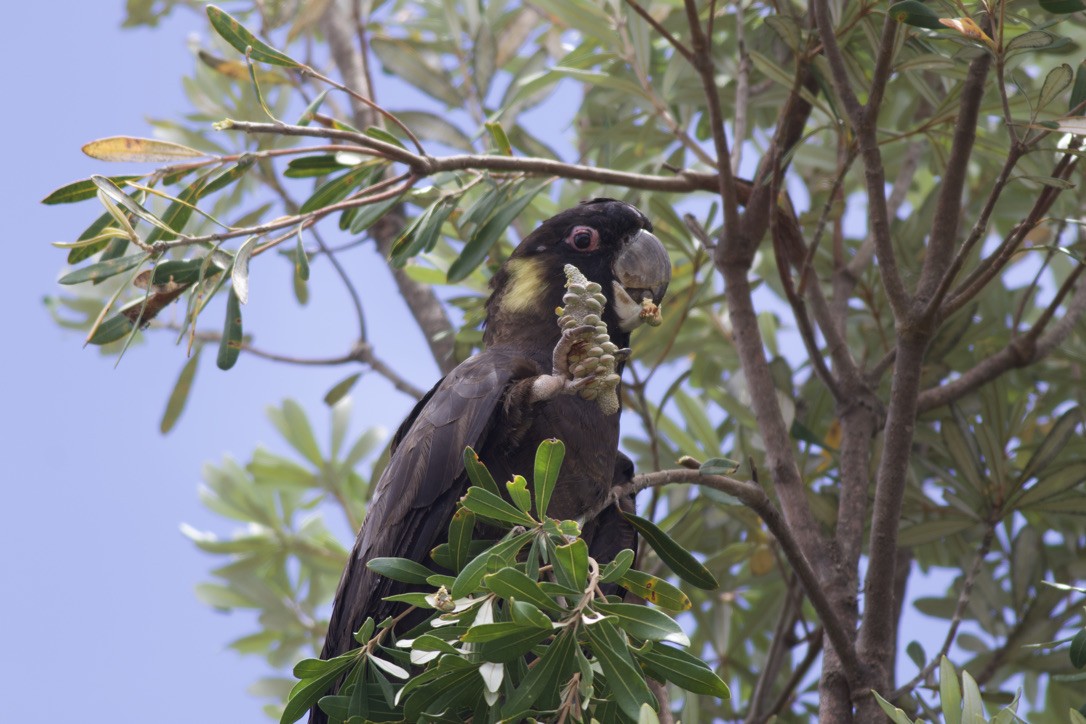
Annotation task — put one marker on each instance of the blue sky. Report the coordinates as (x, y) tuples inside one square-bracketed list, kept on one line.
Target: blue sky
[(97, 603)]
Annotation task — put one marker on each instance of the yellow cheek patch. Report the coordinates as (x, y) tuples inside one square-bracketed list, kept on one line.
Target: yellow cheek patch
[(522, 289)]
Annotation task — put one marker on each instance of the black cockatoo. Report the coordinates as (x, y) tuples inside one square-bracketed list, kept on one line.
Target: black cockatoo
[(507, 399)]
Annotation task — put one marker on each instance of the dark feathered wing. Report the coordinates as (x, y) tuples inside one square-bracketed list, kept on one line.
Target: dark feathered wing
[(416, 496)]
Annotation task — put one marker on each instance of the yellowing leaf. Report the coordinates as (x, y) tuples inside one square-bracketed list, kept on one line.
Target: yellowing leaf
[(131, 148), (968, 28)]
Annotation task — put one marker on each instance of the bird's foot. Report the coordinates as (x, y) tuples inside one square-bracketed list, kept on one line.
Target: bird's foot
[(569, 376)]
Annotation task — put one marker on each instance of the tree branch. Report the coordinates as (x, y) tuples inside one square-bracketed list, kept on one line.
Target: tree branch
[(755, 498), (1020, 352)]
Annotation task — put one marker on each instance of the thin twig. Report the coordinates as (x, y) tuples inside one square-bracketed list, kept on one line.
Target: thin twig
[(956, 618)]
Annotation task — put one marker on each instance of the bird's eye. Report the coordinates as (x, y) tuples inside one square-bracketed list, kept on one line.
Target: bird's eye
[(583, 238)]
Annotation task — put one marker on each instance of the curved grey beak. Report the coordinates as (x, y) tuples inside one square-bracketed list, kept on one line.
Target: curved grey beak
[(642, 272)]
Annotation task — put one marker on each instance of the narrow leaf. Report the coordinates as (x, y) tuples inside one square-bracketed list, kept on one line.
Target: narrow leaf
[(340, 389), (400, 569), (241, 38), (547, 675), (677, 558), (80, 190), (571, 564), (509, 583), (487, 504), (654, 590), (682, 669), (103, 270), (916, 13), (460, 531), (548, 462), (643, 622), (625, 679), (950, 694), (180, 394), (478, 247), (477, 472), (230, 345), (469, 579)]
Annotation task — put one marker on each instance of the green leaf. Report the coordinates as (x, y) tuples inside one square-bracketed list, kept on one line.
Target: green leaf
[(307, 691), (183, 271), (340, 389), (477, 472), (526, 614), (423, 235), (677, 558), (230, 345), (96, 229), (366, 216), (547, 675), (1057, 80), (112, 192), (950, 694), (229, 175), (180, 394), (501, 141), (1055, 441), (1078, 91), (241, 38), (898, 716), (460, 531), (337, 189), (509, 583), (643, 622), (400, 569), (617, 568), (478, 246), (104, 269), (310, 111), (625, 679), (469, 579), (654, 590), (362, 635), (548, 462), (916, 13), (488, 505), (1061, 7), (719, 466), (518, 493), (1030, 40), (682, 669), (1078, 649), (505, 642), (80, 190), (115, 328), (972, 704), (178, 213), (307, 166), (571, 564)]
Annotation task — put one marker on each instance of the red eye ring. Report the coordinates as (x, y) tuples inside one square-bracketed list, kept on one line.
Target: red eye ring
[(583, 238)]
